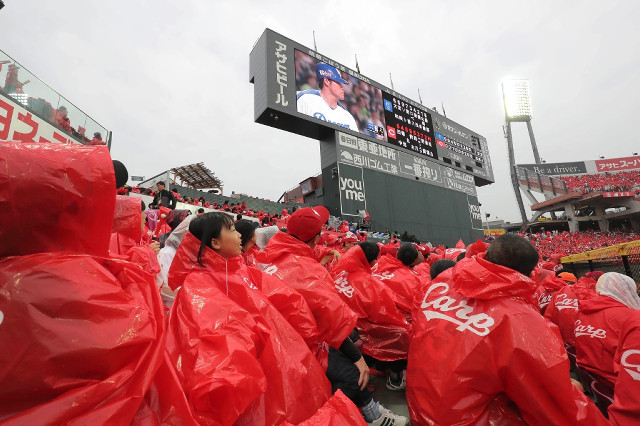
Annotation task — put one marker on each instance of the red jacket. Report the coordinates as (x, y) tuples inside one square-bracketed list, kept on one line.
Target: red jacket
[(563, 308), (545, 291), (626, 405), (597, 330), (238, 359), (481, 353), (383, 328), (292, 261), (402, 280)]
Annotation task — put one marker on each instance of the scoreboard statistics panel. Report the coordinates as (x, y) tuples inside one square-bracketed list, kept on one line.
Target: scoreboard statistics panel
[(288, 80)]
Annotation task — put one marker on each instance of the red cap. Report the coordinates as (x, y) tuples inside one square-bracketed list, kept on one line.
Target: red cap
[(306, 223), (349, 237)]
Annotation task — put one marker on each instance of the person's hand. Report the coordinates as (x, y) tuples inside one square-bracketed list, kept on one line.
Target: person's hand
[(333, 254), (362, 366), (155, 246)]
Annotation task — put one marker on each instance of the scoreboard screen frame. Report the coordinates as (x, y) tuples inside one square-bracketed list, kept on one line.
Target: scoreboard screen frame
[(283, 70)]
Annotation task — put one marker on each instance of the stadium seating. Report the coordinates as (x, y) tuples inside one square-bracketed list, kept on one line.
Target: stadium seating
[(621, 181), (253, 203)]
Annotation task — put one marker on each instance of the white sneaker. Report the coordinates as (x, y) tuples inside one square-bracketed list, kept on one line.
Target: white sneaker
[(400, 386), (387, 418)]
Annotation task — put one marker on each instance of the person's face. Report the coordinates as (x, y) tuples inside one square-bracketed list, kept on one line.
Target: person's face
[(347, 246), (250, 243), (336, 89), (143, 221), (228, 244), (160, 187)]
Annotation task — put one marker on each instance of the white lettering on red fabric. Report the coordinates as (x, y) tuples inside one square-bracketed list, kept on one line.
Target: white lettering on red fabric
[(479, 324), (271, 269), (250, 284), (563, 302), (588, 330), (544, 300), (634, 369), (343, 286), (386, 275)]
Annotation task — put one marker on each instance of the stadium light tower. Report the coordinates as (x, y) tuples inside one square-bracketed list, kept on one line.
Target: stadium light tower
[(517, 108)]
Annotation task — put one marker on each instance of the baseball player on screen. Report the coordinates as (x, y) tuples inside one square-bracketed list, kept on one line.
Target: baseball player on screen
[(324, 104)]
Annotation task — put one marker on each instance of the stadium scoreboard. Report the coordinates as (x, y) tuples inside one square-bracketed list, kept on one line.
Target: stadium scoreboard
[(283, 71)]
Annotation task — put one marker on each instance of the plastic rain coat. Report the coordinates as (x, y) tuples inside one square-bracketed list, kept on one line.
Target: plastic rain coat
[(402, 280), (292, 261), (563, 308), (626, 404), (597, 332), (238, 359), (482, 354), (82, 334), (383, 328)]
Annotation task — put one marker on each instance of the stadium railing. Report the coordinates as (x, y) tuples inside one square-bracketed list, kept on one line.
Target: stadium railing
[(623, 258)]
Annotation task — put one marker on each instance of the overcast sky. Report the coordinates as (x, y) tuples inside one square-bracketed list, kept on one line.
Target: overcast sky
[(171, 78)]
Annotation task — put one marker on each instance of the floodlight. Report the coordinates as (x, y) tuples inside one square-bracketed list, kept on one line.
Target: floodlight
[(517, 102)]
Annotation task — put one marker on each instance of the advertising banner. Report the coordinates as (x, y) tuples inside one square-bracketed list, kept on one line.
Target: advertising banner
[(616, 164), (371, 155), (552, 169), (352, 191), (474, 212)]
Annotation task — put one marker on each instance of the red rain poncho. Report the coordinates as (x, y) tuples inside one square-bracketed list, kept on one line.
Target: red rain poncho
[(480, 349), (338, 411), (626, 405), (292, 261), (402, 280), (83, 335), (383, 328), (597, 331), (238, 359), (545, 291), (126, 235), (563, 308)]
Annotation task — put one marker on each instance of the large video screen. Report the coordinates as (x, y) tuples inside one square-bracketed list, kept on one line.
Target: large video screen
[(327, 94), (316, 93)]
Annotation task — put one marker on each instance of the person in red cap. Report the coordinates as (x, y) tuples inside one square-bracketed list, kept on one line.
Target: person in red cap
[(290, 257), (348, 240), (481, 353)]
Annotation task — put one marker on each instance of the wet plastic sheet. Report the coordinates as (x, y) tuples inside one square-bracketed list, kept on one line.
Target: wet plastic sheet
[(337, 411), (55, 197), (82, 339)]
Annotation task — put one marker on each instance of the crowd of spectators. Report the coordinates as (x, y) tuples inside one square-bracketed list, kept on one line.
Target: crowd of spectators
[(59, 116), (554, 243), (626, 181), (233, 323)]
